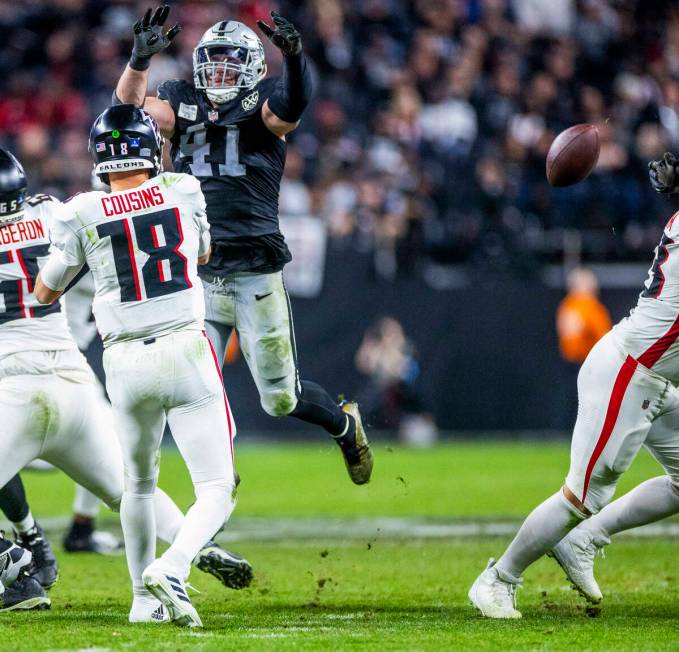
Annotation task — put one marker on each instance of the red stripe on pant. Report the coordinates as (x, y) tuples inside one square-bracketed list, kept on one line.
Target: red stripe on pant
[(227, 407), (654, 352), (620, 385)]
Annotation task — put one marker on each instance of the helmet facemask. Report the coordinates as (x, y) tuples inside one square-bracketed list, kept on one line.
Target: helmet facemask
[(228, 60)]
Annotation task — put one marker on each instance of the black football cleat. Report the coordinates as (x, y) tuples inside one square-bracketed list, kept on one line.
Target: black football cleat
[(230, 569), (44, 566), (25, 593), (82, 537), (357, 455)]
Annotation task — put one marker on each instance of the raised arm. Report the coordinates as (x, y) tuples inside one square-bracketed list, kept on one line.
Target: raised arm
[(283, 109), (149, 39)]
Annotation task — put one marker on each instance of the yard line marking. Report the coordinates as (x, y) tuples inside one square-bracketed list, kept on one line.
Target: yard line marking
[(366, 528)]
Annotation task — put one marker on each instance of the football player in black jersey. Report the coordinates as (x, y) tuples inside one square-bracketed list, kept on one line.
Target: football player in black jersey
[(228, 128)]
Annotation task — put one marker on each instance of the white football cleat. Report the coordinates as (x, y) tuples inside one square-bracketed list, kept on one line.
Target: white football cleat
[(494, 596), (170, 589), (148, 610), (575, 554)]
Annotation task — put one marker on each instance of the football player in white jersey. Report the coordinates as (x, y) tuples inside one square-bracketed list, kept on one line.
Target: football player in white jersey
[(658, 497), (143, 242), (627, 398), (231, 569)]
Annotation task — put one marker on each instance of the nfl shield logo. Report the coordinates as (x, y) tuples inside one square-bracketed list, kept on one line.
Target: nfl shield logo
[(100, 147), (212, 115)]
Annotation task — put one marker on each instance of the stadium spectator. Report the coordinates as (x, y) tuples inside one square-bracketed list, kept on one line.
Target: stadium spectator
[(581, 321), (419, 103), (391, 397)]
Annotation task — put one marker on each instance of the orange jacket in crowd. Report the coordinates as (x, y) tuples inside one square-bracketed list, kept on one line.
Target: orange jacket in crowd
[(581, 321)]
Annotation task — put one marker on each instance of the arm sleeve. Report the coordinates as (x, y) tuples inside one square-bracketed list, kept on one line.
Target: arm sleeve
[(56, 275), (293, 89)]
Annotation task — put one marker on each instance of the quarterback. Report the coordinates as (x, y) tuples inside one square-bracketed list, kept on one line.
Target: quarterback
[(627, 398), (51, 403), (143, 242), (227, 128)]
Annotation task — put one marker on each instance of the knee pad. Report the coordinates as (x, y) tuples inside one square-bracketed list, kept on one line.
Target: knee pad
[(140, 486), (279, 402), (219, 492)]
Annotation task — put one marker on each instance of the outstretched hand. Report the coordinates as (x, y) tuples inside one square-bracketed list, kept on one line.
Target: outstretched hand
[(663, 173), (149, 38), (283, 34)]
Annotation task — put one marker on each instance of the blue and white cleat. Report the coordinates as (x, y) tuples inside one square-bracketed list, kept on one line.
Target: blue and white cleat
[(13, 559), (170, 589), (148, 610)]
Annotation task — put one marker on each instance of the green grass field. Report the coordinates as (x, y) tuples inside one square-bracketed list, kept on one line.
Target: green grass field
[(321, 586)]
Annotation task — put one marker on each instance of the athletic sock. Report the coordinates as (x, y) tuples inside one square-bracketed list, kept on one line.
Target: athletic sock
[(545, 526), (651, 501), (139, 531), (206, 516), (169, 517), (13, 501), (316, 406), (25, 524)]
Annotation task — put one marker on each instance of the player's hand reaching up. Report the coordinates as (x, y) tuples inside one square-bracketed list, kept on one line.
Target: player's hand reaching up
[(149, 38), (283, 35), (663, 173)]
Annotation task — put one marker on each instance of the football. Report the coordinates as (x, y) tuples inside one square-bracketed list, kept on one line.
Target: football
[(572, 155)]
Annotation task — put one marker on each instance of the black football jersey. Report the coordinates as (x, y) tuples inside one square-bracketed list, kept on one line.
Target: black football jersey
[(239, 164)]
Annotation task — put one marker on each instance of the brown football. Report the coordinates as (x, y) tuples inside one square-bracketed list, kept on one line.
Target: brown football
[(572, 155)]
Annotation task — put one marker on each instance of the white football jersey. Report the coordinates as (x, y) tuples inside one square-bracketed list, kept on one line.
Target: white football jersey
[(25, 324), (650, 332), (142, 246)]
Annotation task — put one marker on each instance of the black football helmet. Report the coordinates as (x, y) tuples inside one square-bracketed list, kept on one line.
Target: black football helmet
[(124, 138), (12, 188)]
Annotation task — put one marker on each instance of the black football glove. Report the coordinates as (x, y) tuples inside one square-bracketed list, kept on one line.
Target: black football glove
[(284, 34), (663, 174), (149, 38)]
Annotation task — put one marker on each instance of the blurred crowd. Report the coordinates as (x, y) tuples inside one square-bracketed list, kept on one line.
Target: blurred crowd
[(427, 137)]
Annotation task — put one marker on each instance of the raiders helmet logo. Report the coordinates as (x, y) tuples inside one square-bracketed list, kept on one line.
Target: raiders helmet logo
[(250, 102)]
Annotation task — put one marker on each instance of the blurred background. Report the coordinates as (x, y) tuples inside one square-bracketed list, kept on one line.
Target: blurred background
[(437, 277)]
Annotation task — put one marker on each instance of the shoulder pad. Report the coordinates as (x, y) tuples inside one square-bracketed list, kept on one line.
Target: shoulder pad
[(176, 91), (36, 200), (178, 181)]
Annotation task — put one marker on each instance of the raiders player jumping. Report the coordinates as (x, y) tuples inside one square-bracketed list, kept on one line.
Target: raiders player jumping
[(228, 129)]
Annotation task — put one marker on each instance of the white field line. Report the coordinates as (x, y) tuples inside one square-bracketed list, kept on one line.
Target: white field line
[(303, 528)]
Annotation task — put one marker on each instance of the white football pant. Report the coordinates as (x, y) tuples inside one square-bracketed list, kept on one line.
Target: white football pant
[(622, 405), (173, 378)]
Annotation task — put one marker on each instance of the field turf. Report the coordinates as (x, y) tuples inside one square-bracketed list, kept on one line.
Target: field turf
[(318, 589)]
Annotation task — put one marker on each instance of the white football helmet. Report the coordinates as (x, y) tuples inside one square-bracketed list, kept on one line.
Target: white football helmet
[(228, 59)]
